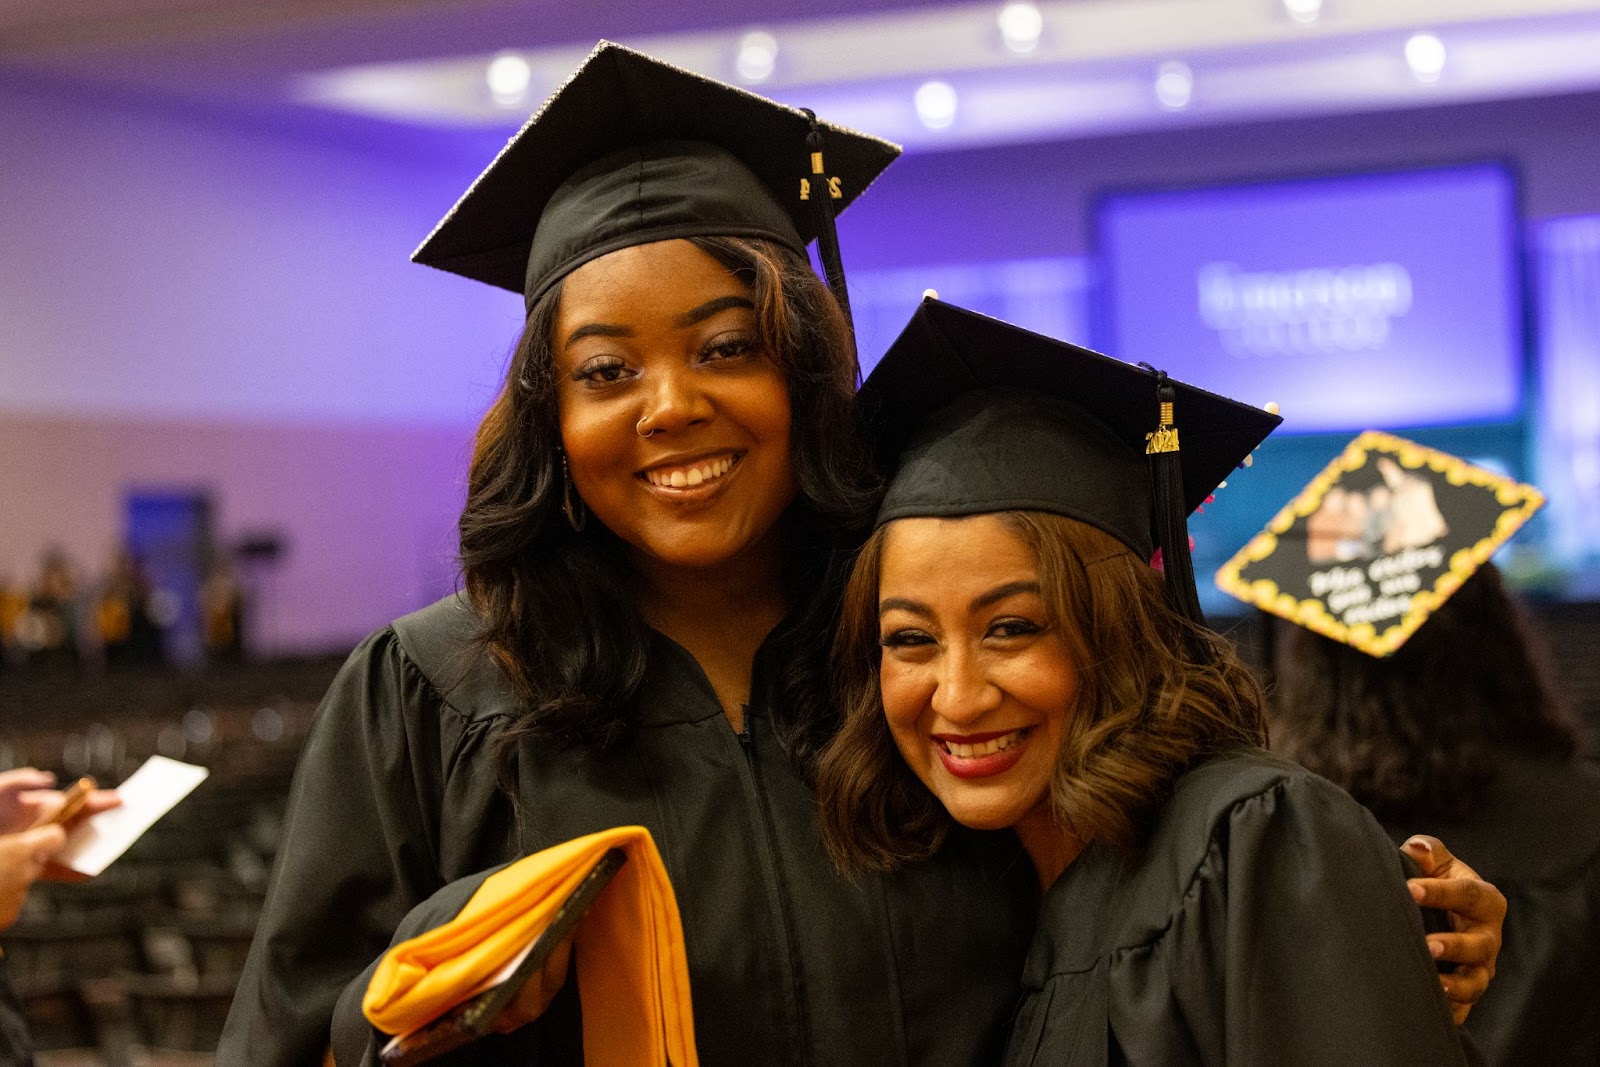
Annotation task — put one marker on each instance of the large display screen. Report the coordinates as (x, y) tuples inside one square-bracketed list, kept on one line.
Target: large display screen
[(1384, 300)]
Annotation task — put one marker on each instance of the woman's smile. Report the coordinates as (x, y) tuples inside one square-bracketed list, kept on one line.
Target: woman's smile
[(981, 755), (694, 479)]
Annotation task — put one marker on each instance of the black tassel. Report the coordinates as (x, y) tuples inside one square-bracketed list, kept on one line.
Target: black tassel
[(820, 191), (1170, 514)]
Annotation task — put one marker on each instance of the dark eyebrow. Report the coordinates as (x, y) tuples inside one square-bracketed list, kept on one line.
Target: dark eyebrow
[(710, 308), (1001, 592), (598, 329), (689, 318), (896, 603)]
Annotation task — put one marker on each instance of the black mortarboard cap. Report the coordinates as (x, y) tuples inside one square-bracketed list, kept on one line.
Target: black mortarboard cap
[(633, 150), (1378, 541), (975, 415)]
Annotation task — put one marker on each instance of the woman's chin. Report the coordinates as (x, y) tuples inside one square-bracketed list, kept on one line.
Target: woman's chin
[(987, 816)]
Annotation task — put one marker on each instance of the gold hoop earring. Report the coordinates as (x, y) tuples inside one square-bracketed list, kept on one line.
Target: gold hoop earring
[(572, 503)]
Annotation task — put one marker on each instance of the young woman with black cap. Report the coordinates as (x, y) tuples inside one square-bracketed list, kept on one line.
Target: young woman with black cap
[(1009, 658), (658, 507)]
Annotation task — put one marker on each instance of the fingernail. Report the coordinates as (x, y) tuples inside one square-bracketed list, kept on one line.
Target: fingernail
[(1435, 949), (1417, 892), (1419, 845)]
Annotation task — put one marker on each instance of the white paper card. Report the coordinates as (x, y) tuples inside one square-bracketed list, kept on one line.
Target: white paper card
[(149, 793)]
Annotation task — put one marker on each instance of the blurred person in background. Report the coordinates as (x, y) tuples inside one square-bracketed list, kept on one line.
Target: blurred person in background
[(13, 603), (1406, 673), (47, 632), (124, 620), (1462, 732)]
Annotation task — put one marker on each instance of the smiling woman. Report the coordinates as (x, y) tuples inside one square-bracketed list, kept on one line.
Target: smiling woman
[(660, 506), (1008, 657)]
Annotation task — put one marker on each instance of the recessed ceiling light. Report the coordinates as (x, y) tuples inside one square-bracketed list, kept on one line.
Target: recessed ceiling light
[(936, 104), (1021, 23), (758, 56), (1304, 12), (1425, 56), (1174, 85), (509, 77)]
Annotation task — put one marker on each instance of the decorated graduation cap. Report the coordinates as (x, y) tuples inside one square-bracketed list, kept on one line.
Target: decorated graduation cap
[(632, 150), (1378, 541), (975, 415)]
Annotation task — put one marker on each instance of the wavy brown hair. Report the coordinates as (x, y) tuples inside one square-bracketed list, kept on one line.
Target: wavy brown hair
[(1156, 693), (557, 609), (1418, 734)]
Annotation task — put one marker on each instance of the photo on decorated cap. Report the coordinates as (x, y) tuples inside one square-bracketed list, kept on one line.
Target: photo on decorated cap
[(1378, 541)]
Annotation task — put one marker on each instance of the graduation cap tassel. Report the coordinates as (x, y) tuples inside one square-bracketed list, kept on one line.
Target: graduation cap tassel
[(1171, 526), (821, 190)]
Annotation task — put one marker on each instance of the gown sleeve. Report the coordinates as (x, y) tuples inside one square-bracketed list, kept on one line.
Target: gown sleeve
[(358, 851), (1322, 949)]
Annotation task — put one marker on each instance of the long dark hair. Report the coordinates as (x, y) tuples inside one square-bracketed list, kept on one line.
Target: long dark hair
[(1418, 733), (557, 608), (1156, 693)]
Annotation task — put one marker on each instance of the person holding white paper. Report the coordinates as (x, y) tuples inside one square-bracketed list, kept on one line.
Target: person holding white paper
[(29, 840)]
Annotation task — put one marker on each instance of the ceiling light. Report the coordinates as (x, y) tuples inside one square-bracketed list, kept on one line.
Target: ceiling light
[(509, 77), (1304, 12), (758, 56), (1425, 57), (936, 104), (1021, 23), (1174, 85)]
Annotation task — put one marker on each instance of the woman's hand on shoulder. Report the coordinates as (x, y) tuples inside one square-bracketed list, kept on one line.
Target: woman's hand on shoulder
[(1477, 913)]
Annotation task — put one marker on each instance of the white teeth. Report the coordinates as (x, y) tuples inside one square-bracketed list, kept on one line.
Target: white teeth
[(985, 748), (684, 477)]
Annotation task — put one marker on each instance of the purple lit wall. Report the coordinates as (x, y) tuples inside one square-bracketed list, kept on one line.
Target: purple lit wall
[(184, 305)]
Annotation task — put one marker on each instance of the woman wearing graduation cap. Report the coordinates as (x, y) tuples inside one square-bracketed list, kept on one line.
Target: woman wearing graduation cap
[(1009, 658), (658, 507), (1432, 706)]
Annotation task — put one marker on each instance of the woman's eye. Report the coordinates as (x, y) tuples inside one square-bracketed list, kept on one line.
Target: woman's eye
[(601, 371), (905, 639), (1014, 628), (724, 348)]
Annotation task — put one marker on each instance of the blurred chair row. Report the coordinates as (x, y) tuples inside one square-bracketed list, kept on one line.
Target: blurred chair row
[(136, 968)]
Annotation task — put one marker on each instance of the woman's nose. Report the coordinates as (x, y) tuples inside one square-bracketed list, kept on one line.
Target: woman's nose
[(674, 401), (964, 691)]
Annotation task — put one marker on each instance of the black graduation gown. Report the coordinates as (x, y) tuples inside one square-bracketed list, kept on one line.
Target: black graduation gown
[(1536, 836), (395, 800), (1266, 921)]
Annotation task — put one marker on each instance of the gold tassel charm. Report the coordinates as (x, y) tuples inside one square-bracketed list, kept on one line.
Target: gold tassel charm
[(1165, 437)]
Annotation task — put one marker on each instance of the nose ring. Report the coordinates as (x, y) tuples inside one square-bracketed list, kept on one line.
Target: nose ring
[(640, 428)]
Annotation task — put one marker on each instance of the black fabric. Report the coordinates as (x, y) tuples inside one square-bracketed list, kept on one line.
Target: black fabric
[(1006, 450), (395, 804), (651, 192), (16, 1046), (1536, 836), (740, 166), (1073, 444), (1265, 922)]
